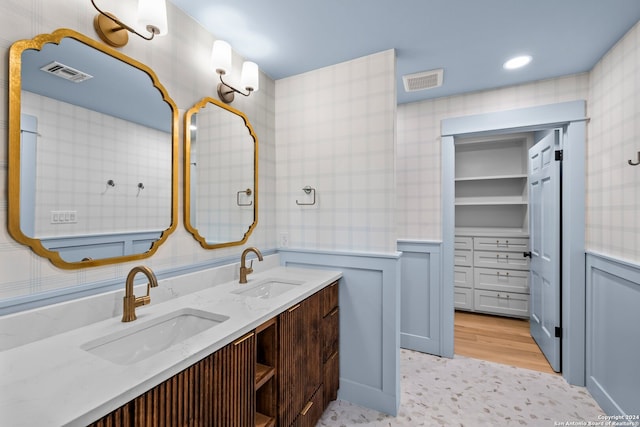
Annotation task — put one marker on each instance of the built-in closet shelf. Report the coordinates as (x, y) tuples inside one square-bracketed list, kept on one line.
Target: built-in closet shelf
[(264, 421), (480, 201), (263, 374), (492, 224), (487, 178)]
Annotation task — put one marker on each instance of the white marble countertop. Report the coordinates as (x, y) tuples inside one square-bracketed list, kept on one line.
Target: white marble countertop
[(54, 382)]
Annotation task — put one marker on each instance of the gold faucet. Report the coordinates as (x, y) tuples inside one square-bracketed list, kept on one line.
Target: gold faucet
[(130, 301), (244, 270)]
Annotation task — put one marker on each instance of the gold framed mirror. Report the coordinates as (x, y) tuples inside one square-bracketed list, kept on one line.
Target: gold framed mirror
[(93, 152), (220, 174)]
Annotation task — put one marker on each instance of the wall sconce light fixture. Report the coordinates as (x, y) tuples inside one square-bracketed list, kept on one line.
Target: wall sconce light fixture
[(221, 61), (151, 13)]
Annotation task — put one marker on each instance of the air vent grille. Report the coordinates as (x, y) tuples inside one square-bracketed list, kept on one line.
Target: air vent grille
[(66, 72), (423, 80)]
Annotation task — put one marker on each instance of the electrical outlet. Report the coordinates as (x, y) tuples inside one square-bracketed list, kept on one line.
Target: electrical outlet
[(64, 217), (284, 240)]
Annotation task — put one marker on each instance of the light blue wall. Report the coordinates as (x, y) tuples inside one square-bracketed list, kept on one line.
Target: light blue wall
[(420, 326), (613, 341), (369, 323)]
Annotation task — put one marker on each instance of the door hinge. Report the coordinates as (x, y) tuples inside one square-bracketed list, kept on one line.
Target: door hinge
[(558, 332), (559, 155)]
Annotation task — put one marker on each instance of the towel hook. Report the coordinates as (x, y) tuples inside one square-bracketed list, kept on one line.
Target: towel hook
[(248, 192), (308, 189), (110, 183), (635, 163)]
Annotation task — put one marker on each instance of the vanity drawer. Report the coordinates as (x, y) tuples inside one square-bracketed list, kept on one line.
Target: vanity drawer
[(329, 297), (463, 258), (463, 298), (500, 260), (331, 379), (330, 334), (501, 280), (506, 303), (460, 242), (509, 244), (463, 276), (312, 411)]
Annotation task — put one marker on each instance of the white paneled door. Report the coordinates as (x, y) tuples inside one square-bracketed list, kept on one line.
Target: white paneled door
[(545, 162)]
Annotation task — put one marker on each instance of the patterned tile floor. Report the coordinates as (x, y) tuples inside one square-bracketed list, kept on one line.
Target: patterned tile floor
[(470, 392)]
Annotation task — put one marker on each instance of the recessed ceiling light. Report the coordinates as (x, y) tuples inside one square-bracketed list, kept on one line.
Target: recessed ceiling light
[(517, 62)]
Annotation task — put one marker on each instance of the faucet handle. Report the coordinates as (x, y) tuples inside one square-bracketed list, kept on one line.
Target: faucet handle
[(140, 301), (250, 268)]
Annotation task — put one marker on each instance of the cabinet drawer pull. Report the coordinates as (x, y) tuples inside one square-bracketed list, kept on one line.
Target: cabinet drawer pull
[(333, 356), (243, 339), (506, 274), (293, 308), (334, 312), (306, 408)]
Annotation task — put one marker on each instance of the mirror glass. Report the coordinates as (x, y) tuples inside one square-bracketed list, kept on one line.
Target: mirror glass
[(92, 152), (221, 169)]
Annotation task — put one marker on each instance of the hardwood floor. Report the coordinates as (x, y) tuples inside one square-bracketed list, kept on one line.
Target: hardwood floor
[(498, 339)]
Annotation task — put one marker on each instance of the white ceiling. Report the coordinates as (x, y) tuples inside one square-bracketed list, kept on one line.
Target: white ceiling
[(469, 39)]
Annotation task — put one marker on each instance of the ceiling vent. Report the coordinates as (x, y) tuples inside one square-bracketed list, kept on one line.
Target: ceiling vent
[(66, 72), (423, 80)]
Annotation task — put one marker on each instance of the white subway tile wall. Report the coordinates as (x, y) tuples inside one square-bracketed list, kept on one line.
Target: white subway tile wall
[(336, 133), (181, 61), (613, 186), (419, 143)]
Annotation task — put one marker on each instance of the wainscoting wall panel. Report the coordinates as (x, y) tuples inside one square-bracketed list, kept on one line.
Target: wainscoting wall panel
[(420, 296), (369, 323), (613, 341)]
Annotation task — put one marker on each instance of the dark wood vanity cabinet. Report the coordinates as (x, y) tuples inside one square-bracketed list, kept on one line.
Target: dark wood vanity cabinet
[(309, 373), (216, 391), (284, 373), (300, 364), (330, 327)]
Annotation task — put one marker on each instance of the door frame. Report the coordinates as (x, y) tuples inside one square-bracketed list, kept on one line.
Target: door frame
[(571, 116)]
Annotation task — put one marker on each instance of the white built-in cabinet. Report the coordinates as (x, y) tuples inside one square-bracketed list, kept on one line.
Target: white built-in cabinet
[(491, 204)]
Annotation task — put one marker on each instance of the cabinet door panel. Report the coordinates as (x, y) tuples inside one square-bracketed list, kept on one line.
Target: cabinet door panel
[(463, 258), (463, 298), (463, 276), (300, 364), (463, 242)]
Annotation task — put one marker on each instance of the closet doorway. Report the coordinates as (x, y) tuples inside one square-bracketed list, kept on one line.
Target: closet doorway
[(491, 250), (570, 118)]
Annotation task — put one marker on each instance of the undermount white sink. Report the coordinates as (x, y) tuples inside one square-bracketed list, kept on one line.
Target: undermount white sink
[(145, 339), (268, 288)]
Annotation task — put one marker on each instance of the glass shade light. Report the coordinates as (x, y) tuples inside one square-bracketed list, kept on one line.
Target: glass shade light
[(221, 57), (152, 14), (250, 78)]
